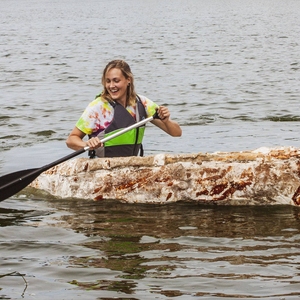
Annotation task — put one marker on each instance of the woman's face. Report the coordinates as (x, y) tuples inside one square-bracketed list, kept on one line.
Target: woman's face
[(116, 85)]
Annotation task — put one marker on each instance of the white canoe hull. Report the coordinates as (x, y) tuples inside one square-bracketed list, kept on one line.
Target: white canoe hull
[(263, 176)]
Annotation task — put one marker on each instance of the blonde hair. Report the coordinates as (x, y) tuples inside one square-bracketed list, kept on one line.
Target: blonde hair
[(126, 71)]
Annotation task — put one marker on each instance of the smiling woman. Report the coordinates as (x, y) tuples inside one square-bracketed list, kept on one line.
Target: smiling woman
[(116, 107)]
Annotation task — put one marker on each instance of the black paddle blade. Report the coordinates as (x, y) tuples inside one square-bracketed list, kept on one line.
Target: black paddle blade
[(12, 183)]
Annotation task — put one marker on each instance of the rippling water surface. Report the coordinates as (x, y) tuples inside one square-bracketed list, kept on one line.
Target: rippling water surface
[(75, 249), (229, 72)]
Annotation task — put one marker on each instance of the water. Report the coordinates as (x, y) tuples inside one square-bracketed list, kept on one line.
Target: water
[(229, 72)]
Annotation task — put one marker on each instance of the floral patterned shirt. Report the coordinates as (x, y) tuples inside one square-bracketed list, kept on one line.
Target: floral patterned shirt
[(99, 114)]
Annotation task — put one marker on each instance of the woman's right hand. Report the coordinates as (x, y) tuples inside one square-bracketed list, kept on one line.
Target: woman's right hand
[(94, 143)]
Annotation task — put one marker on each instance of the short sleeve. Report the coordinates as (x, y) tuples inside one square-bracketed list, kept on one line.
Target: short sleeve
[(95, 117), (149, 105)]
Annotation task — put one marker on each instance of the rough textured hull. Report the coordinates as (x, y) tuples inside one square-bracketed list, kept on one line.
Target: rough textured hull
[(263, 176)]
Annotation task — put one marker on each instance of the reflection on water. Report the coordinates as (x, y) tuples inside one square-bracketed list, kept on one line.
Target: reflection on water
[(148, 251)]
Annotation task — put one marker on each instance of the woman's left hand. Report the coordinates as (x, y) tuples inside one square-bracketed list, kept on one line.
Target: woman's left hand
[(165, 123), (163, 113)]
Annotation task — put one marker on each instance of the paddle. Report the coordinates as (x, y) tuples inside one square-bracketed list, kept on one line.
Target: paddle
[(12, 183)]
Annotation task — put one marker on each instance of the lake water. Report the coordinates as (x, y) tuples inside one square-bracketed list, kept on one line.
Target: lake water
[(229, 72)]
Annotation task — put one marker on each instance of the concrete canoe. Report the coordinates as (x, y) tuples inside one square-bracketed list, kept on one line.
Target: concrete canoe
[(258, 177)]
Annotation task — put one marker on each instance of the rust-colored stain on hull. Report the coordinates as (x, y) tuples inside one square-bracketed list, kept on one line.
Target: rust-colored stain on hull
[(262, 176)]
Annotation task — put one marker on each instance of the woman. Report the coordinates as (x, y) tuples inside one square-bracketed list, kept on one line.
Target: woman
[(117, 107)]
